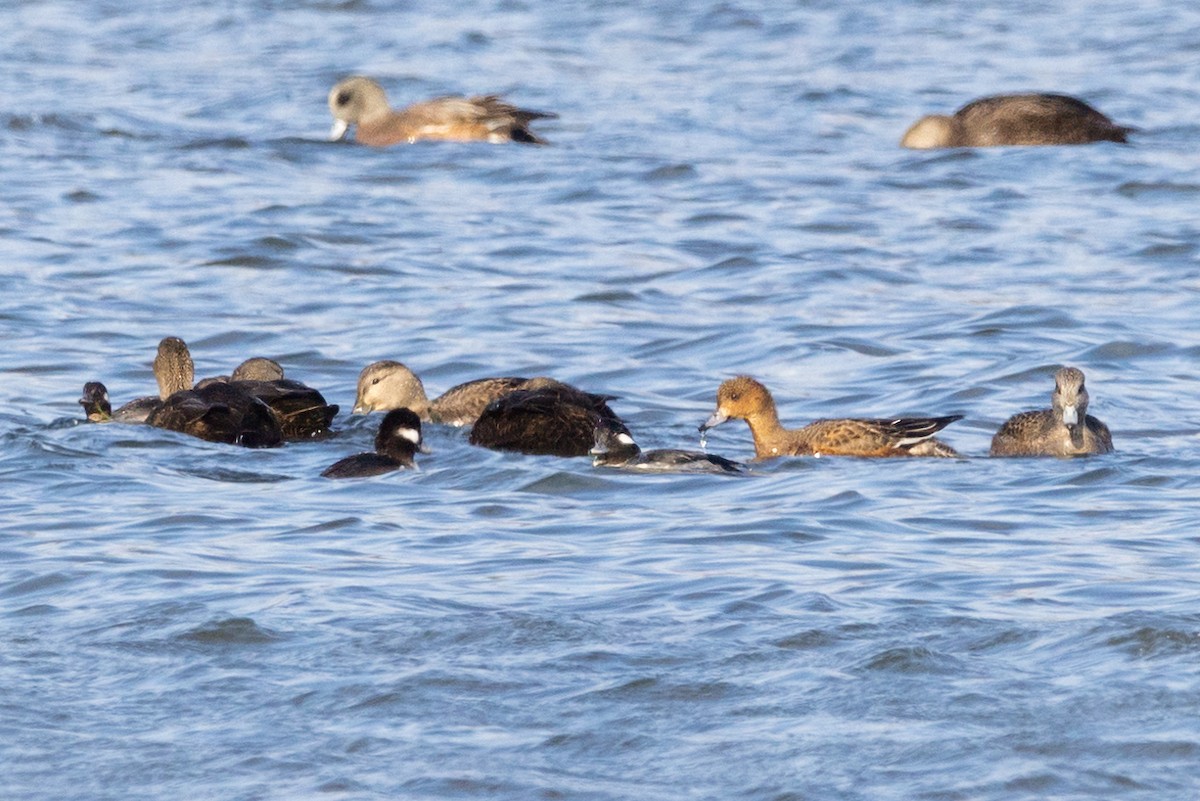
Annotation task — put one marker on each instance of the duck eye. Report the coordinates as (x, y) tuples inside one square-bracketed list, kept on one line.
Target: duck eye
[(343, 97), (375, 381)]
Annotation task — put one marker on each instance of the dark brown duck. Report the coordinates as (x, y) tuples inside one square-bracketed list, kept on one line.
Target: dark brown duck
[(1022, 119), (551, 419), (396, 446)]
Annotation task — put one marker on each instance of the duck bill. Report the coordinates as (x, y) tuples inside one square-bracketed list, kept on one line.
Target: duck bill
[(338, 130), (1070, 416), (359, 408), (714, 421)]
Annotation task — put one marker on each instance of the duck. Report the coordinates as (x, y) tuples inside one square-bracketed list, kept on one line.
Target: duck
[(745, 398), (1016, 119), (360, 101), (219, 412), (615, 447), (173, 372), (547, 417), (96, 407), (396, 444), (256, 368), (1063, 430), (387, 384), (301, 411)]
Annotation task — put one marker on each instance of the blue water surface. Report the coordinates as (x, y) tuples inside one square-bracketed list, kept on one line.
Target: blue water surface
[(724, 194)]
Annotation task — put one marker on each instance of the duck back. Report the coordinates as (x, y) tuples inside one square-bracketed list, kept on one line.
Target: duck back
[(552, 421)]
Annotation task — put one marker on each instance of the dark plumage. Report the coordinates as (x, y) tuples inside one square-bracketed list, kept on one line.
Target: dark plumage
[(95, 402), (301, 410), (219, 412), (614, 447), (396, 444), (552, 419), (1024, 119)]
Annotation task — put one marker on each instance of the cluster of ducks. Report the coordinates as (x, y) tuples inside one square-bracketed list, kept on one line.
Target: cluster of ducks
[(1015, 119), (256, 406)]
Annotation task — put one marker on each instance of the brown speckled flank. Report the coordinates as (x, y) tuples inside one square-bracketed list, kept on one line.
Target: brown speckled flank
[(387, 384), (746, 399)]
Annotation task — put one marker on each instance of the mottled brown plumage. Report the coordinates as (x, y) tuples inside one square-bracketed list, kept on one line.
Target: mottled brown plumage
[(173, 371), (385, 385), (1065, 429), (746, 399)]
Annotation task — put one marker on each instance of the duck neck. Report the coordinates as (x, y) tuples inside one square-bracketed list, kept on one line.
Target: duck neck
[(401, 450), (173, 374), (766, 430)]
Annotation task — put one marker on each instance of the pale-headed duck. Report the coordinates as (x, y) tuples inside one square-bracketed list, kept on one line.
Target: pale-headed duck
[(361, 102)]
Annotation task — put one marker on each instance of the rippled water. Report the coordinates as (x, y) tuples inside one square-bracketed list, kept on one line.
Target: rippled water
[(724, 194)]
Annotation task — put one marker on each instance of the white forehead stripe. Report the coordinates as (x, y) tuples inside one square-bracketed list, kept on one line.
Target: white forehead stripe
[(625, 439), (410, 434)]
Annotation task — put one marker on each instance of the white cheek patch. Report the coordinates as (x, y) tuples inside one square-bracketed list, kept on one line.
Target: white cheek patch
[(410, 434), (625, 439)]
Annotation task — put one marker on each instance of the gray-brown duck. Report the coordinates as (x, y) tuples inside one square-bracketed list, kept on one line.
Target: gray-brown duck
[(1065, 429), (1021, 119)]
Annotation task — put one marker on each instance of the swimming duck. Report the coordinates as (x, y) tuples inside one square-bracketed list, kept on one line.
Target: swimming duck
[(614, 447), (173, 371), (549, 418), (387, 384), (746, 399), (396, 445), (301, 410), (1065, 429), (95, 403), (1025, 119), (361, 102), (219, 412), (256, 368)]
